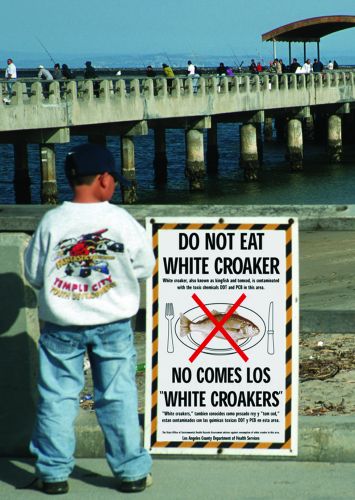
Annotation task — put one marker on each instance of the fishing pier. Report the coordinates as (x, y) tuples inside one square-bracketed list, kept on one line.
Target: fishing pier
[(50, 113)]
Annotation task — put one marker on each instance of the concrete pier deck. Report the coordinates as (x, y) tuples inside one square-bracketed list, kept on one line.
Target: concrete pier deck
[(186, 479)]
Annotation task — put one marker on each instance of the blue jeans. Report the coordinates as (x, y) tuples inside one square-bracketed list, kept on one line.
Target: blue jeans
[(61, 378), (9, 85)]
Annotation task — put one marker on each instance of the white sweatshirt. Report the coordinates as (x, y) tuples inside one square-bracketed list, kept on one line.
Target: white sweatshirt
[(86, 259)]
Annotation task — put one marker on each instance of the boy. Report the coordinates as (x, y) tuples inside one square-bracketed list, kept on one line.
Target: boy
[(86, 258)]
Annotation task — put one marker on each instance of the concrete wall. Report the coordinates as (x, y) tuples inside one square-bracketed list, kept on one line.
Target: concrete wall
[(19, 333), (24, 218)]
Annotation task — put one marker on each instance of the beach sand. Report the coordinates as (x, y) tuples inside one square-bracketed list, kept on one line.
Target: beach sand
[(327, 374)]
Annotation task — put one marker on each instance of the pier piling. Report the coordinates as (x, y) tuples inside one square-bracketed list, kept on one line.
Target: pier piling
[(308, 127), (160, 159), (195, 164), (268, 129), (295, 144), (334, 139), (249, 151), (129, 194), (49, 192), (212, 148)]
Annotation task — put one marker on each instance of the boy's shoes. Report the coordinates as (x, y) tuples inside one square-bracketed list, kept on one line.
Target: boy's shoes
[(57, 488), (62, 487), (135, 486)]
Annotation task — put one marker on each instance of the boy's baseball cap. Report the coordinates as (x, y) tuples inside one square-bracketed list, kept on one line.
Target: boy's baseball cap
[(92, 159)]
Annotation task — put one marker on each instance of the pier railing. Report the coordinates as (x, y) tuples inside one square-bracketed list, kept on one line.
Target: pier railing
[(66, 103)]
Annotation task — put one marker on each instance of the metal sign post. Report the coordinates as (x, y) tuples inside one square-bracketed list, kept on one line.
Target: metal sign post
[(222, 336)]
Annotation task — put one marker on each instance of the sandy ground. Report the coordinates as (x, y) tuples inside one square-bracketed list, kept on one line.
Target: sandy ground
[(327, 374), (326, 369)]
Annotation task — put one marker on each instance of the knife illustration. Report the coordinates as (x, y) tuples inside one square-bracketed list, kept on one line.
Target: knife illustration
[(270, 330)]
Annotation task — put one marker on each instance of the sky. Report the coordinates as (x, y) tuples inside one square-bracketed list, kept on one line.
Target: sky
[(199, 28)]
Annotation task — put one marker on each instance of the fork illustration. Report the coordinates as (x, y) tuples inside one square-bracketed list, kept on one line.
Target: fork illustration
[(169, 314)]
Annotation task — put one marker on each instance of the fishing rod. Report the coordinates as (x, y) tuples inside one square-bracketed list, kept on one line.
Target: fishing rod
[(195, 57), (236, 61), (45, 49), (192, 52), (167, 57), (142, 61)]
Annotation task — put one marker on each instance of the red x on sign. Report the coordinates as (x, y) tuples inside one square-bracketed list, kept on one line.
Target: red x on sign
[(219, 326)]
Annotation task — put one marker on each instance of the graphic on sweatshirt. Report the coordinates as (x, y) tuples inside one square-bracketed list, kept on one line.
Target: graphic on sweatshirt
[(86, 256)]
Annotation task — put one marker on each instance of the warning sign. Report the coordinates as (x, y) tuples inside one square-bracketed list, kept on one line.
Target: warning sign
[(222, 336)]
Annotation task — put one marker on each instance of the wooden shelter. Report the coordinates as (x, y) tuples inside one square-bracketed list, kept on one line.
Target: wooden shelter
[(308, 30)]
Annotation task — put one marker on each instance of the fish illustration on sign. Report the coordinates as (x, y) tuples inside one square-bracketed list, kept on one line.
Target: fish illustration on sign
[(236, 326)]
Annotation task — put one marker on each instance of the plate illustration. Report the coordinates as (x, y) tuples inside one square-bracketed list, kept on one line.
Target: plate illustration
[(219, 346)]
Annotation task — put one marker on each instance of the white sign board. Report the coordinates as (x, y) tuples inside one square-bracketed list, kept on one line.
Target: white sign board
[(222, 338)]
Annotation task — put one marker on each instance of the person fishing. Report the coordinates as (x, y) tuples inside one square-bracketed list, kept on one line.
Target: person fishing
[(90, 71), (169, 73), (192, 73), (221, 70), (44, 74), (57, 72), (253, 67), (150, 72), (90, 74), (67, 73), (11, 76)]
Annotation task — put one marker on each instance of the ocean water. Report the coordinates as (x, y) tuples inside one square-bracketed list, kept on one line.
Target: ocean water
[(319, 183)]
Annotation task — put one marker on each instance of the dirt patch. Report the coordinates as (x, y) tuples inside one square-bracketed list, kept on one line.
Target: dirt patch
[(327, 374)]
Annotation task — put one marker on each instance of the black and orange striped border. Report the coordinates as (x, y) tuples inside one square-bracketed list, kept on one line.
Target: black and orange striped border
[(286, 445)]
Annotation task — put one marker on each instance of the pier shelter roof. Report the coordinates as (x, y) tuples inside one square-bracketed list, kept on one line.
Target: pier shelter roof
[(308, 30)]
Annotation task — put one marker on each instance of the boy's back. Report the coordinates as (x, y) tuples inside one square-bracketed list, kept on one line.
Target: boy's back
[(86, 259)]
